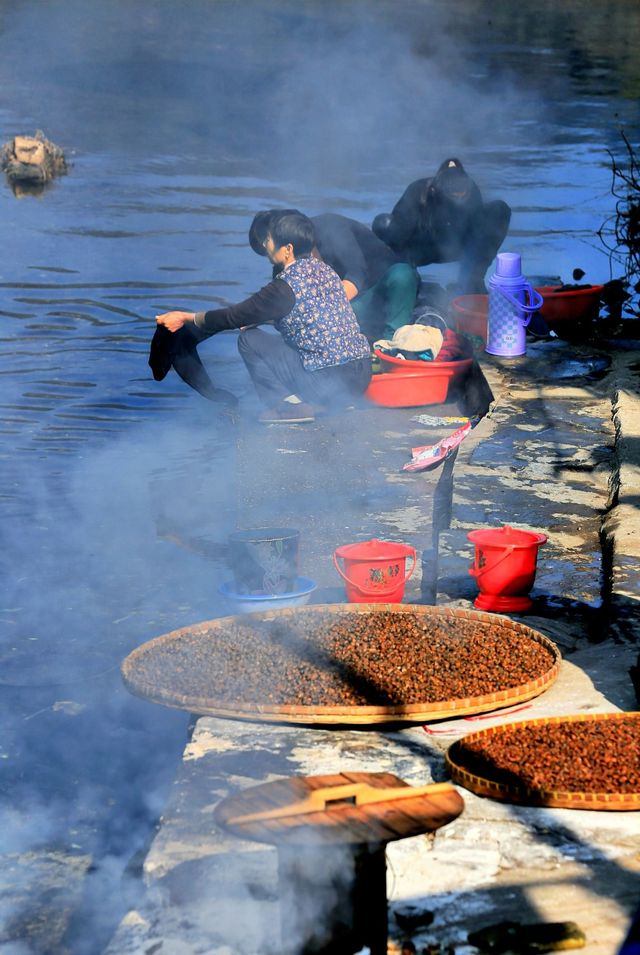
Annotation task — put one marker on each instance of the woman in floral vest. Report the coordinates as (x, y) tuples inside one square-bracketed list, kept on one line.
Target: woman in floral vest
[(320, 356)]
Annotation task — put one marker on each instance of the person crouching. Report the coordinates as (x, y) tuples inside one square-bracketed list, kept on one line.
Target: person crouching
[(320, 356)]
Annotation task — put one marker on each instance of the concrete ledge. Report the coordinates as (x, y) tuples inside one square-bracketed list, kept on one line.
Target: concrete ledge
[(209, 890), (543, 457)]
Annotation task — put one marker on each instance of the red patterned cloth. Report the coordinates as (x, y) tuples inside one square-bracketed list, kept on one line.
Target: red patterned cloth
[(454, 347)]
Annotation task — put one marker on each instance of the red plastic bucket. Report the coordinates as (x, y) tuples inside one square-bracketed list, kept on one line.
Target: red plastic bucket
[(374, 571), (505, 567)]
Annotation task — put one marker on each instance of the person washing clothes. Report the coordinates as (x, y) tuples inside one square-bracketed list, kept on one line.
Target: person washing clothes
[(381, 287), (320, 355)]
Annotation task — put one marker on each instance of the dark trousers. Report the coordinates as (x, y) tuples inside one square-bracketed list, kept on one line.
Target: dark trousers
[(277, 371)]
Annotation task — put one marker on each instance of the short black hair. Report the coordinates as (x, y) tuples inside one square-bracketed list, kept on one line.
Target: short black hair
[(260, 228), (293, 228)]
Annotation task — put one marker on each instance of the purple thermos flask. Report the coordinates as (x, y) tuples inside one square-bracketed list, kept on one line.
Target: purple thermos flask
[(512, 302)]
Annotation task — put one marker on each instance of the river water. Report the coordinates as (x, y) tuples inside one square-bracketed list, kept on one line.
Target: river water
[(180, 120)]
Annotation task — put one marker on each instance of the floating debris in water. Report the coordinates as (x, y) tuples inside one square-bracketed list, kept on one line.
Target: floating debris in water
[(32, 161)]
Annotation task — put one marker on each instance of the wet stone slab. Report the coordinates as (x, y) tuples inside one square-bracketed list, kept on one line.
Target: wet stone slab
[(207, 891), (563, 448), (340, 480), (583, 410), (38, 922), (523, 500)]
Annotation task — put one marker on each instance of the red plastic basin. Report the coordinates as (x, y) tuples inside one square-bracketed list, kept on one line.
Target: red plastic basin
[(400, 388), (574, 305), (469, 315), (560, 310)]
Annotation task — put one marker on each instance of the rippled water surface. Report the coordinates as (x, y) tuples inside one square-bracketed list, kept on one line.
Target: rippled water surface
[(180, 121)]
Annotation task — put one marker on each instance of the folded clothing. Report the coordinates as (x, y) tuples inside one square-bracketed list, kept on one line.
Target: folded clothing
[(409, 355)]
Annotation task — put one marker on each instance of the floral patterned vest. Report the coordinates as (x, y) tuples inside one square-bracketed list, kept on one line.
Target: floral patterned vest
[(321, 326)]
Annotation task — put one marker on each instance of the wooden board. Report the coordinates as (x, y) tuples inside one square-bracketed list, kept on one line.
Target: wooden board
[(484, 786), (147, 672), (374, 822)]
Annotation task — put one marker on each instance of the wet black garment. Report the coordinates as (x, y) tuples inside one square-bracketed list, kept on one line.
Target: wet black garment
[(179, 350), (161, 352)]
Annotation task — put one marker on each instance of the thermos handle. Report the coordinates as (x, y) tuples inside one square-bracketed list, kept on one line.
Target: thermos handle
[(535, 301)]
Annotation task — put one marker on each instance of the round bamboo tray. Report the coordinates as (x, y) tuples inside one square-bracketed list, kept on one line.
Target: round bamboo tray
[(162, 670), (524, 795)]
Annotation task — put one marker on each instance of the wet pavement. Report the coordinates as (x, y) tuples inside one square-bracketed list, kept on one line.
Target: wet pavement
[(342, 481), (558, 452)]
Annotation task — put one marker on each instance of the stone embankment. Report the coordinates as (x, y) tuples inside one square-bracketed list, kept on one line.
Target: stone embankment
[(558, 451)]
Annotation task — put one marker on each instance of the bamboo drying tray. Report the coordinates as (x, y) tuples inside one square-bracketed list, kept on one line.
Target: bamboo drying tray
[(159, 671), (523, 795)]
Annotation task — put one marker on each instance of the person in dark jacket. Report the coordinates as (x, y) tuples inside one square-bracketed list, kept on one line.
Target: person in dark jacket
[(320, 356), (381, 287), (444, 219)]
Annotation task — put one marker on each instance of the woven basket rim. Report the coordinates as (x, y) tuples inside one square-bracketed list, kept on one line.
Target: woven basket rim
[(343, 714), (482, 785)]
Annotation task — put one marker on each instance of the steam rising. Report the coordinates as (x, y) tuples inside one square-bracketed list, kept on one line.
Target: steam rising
[(180, 121)]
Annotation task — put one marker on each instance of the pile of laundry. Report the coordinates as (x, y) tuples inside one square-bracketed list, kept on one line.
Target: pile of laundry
[(427, 339), (413, 343)]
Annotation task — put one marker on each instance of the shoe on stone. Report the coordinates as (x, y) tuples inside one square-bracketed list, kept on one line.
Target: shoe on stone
[(287, 413)]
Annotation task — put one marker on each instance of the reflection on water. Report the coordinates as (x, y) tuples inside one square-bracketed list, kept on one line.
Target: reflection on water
[(180, 121)]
